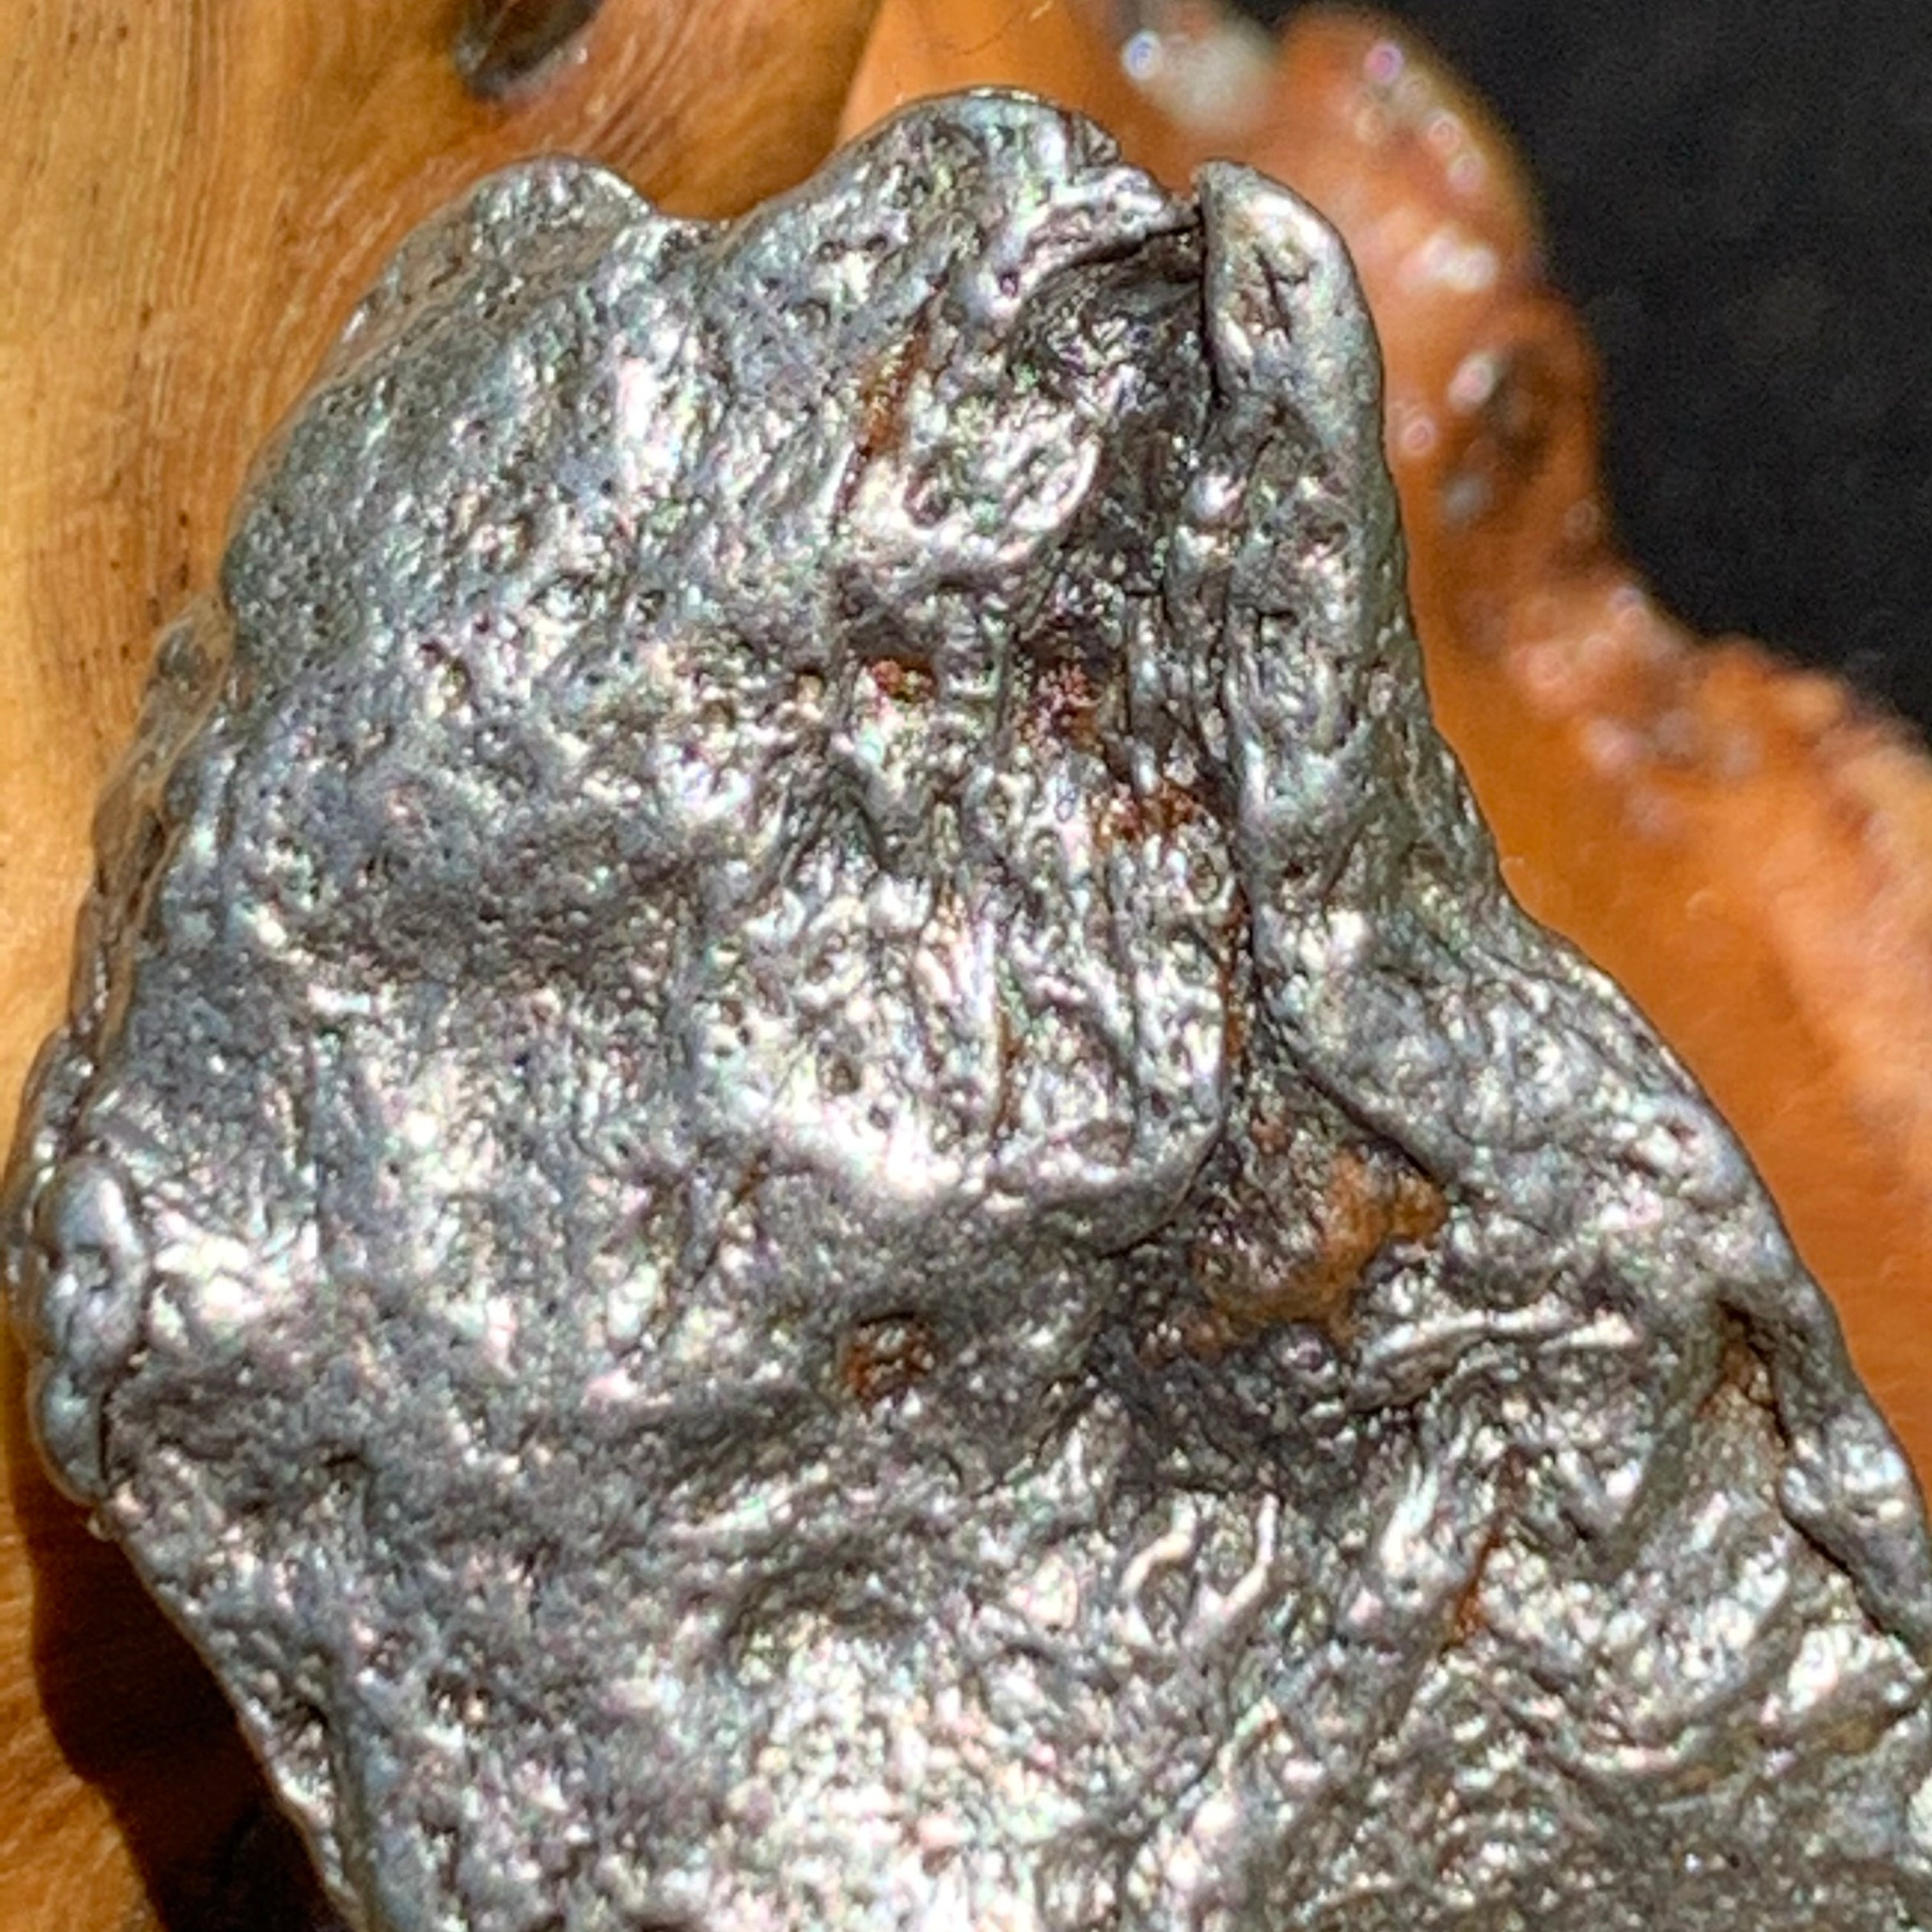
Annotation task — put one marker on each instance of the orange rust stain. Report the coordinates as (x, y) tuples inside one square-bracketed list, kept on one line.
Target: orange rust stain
[(1133, 818), (883, 397), (902, 683), (1364, 1206), (885, 1357)]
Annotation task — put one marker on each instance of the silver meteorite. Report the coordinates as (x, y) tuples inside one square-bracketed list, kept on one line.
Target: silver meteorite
[(808, 1176)]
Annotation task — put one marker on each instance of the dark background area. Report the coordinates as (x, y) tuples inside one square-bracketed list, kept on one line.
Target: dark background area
[(1738, 197)]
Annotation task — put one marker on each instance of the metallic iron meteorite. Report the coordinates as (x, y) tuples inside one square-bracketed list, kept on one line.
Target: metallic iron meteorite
[(808, 1176)]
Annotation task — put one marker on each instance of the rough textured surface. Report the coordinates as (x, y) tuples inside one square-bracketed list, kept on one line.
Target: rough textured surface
[(808, 1176), (1740, 846)]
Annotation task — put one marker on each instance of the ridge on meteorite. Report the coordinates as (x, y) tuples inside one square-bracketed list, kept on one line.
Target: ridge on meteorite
[(807, 1172)]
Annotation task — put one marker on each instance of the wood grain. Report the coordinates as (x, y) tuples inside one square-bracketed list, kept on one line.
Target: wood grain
[(196, 192)]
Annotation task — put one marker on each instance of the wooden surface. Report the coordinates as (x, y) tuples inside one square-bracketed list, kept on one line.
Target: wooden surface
[(1740, 846), (196, 191)]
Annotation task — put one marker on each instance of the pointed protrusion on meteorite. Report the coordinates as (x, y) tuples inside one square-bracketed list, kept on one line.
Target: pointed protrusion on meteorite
[(1285, 315)]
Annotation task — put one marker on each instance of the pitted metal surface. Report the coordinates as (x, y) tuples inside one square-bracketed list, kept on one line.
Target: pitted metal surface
[(808, 1176)]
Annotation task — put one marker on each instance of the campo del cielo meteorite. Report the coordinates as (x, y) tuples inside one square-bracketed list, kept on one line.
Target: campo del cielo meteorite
[(808, 1176)]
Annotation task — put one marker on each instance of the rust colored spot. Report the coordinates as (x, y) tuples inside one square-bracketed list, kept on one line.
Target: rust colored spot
[(1234, 1004), (1419, 1209), (1196, 1330), (1131, 819), (903, 683), (1164, 809), (1466, 1618), (885, 1356), (1363, 1205), (1068, 705), (883, 395)]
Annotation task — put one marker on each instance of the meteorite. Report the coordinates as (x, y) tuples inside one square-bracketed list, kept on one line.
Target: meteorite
[(807, 1175)]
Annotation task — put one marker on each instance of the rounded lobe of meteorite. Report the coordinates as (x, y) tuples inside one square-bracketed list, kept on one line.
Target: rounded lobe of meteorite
[(794, 858)]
